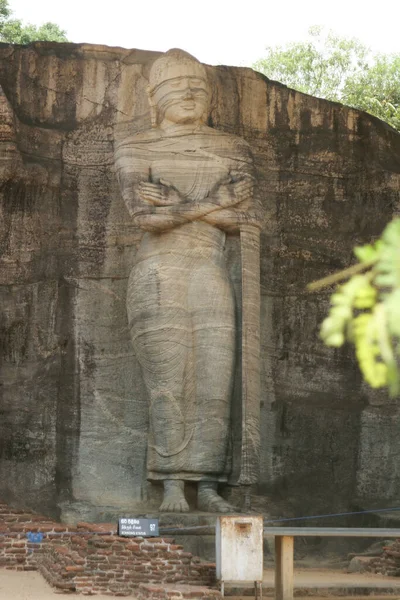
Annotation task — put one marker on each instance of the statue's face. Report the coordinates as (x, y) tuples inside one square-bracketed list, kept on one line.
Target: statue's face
[(183, 99)]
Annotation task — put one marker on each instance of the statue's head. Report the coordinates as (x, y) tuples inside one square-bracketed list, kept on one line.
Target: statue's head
[(178, 89)]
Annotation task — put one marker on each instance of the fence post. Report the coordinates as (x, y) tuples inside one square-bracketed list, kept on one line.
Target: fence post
[(284, 567)]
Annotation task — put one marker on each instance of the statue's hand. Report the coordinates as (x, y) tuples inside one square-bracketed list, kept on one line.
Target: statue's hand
[(223, 195), (158, 194), (238, 187), (243, 186)]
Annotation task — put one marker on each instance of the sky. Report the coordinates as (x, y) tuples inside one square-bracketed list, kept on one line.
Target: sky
[(231, 32)]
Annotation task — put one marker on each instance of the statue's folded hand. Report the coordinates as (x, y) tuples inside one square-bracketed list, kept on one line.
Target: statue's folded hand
[(243, 189), (158, 194), (237, 188), (223, 196)]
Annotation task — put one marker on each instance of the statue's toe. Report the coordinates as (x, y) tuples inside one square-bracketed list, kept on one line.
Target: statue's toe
[(210, 501), (225, 507), (174, 505), (183, 506)]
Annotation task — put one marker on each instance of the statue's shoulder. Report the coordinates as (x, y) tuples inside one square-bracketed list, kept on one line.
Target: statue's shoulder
[(140, 137), (227, 139), (229, 145), (136, 148)]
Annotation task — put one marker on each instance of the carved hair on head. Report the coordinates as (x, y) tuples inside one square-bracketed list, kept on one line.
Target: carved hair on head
[(174, 63)]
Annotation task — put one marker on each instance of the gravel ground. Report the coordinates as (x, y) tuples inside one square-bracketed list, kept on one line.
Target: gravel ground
[(329, 578), (29, 585)]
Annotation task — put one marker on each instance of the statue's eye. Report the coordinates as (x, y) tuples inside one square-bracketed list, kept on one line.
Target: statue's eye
[(195, 82), (176, 84)]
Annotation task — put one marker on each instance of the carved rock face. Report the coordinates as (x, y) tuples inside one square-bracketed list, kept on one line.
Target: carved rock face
[(182, 100), (178, 88), (74, 407), (180, 302)]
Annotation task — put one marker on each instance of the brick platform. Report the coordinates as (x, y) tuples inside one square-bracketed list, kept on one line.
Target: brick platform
[(92, 559), (16, 551), (389, 562), (118, 565)]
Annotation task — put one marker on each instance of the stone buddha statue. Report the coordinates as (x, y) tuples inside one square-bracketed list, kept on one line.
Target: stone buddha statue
[(186, 185)]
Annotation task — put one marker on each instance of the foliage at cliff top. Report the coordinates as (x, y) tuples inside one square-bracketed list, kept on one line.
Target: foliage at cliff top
[(13, 31), (340, 69)]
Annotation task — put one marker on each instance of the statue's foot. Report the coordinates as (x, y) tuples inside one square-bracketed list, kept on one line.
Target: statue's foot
[(174, 497), (210, 501)]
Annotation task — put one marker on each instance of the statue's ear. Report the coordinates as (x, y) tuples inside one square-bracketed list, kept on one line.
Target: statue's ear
[(153, 106)]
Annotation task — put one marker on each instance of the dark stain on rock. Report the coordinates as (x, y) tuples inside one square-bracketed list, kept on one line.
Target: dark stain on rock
[(17, 198), (89, 362), (13, 342), (20, 447)]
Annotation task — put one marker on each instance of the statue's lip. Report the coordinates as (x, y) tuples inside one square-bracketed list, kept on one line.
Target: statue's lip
[(188, 104)]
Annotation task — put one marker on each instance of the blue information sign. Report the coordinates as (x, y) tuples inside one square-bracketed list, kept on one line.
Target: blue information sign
[(137, 527)]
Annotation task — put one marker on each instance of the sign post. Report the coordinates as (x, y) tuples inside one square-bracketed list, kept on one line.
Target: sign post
[(137, 527)]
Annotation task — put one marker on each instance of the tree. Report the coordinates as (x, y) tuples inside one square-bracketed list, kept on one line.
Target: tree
[(377, 90), (13, 31), (340, 69), (5, 11), (365, 310)]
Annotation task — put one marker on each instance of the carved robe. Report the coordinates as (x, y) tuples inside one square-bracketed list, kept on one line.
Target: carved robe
[(180, 304)]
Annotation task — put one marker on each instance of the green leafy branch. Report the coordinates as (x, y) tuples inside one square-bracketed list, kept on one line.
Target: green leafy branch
[(365, 310)]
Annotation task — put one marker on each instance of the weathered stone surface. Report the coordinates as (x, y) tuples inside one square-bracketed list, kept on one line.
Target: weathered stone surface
[(359, 564), (74, 412), (187, 186)]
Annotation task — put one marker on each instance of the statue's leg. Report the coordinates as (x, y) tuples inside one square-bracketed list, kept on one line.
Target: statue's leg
[(174, 496), (161, 332), (211, 300)]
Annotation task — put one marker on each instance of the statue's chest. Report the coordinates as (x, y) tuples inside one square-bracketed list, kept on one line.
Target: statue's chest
[(193, 171)]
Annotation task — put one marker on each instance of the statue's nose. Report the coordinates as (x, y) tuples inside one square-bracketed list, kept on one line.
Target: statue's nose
[(188, 93)]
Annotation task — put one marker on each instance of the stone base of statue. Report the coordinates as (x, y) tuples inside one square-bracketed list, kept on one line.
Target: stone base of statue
[(200, 541)]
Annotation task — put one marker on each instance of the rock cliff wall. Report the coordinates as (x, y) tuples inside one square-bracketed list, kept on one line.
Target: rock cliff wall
[(73, 411)]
